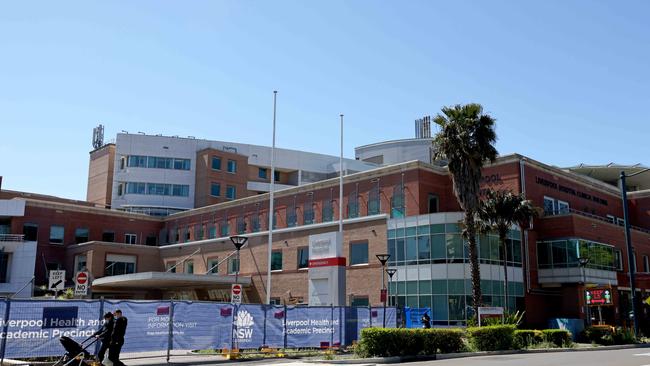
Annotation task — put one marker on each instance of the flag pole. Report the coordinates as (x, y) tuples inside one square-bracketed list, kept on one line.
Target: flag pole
[(271, 212)]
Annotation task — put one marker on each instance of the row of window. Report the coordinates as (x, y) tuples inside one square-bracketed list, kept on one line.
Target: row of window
[(553, 206), (157, 189), (116, 264), (215, 190), (231, 165), (262, 173), (453, 287), (141, 161), (452, 310), (81, 235), (565, 254), (358, 255)]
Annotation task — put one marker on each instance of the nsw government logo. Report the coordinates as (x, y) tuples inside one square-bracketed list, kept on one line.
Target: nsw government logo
[(244, 323)]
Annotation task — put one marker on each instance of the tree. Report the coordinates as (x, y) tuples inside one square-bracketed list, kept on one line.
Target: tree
[(466, 141), (498, 212)]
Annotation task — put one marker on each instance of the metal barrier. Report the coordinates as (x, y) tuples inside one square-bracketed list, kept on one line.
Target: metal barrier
[(31, 328)]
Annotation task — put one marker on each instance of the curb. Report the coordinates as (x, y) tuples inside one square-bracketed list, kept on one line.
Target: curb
[(449, 356)]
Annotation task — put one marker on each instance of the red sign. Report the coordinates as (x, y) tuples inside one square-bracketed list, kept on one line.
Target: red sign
[(599, 296), (236, 289), (82, 278), (383, 295), (327, 262)]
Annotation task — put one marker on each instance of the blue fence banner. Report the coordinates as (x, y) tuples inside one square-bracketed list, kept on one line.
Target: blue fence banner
[(414, 316), (33, 327), (148, 324)]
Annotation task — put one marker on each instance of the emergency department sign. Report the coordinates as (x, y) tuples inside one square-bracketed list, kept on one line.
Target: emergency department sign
[(599, 297)]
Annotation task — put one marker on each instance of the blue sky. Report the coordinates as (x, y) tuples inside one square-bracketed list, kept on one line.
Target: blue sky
[(567, 81)]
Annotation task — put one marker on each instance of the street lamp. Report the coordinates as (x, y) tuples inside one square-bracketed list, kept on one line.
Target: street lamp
[(391, 272), (383, 258), (239, 242), (628, 242), (583, 261)]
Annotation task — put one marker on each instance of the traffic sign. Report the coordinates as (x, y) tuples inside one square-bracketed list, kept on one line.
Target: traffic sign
[(57, 280), (235, 294), (81, 284)]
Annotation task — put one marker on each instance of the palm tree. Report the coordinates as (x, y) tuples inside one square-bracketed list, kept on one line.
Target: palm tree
[(498, 212), (466, 141)]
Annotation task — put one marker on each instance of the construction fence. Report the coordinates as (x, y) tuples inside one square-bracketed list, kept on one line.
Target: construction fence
[(31, 328)]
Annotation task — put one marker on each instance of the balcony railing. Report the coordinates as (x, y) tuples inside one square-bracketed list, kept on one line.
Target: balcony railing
[(12, 237), (567, 211)]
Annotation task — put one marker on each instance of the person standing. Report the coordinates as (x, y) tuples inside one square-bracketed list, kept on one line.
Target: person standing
[(104, 335), (117, 338), (426, 321)]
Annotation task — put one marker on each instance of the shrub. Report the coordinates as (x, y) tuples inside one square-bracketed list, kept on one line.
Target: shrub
[(525, 338), (492, 338), (439, 340), (606, 335), (558, 337), (383, 342)]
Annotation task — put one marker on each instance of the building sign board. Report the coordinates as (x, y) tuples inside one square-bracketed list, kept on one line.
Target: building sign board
[(326, 270), (599, 297)]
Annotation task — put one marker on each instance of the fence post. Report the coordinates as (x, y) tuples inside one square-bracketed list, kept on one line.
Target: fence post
[(5, 327), (101, 318), (170, 334), (266, 310), (332, 326), (285, 325), (232, 327)]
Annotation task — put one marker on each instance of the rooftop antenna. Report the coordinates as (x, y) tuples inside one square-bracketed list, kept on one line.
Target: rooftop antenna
[(98, 136), (423, 128)]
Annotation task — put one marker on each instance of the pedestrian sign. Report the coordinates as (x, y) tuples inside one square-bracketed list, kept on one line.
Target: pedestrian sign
[(235, 294), (81, 284), (57, 280)]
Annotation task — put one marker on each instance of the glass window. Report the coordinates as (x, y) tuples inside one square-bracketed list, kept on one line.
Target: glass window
[(233, 265), (424, 287), (353, 205), (549, 206), (374, 200), (440, 307), (439, 286), (130, 238), (618, 260), (108, 236), (119, 264), (180, 190), (433, 203), (399, 249), (189, 266), (456, 307), (438, 246), (80, 235), (328, 212), (170, 267), (276, 260), (424, 248), (308, 214), (182, 164), (216, 163), (56, 234), (411, 249), (231, 192), (646, 264), (276, 176), (232, 166), (213, 265), (437, 229), (411, 287), (80, 262), (359, 253), (225, 228), (135, 188), (397, 202), (255, 223), (454, 246), (303, 257), (262, 173), (359, 301), (559, 253), (215, 189), (212, 231), (562, 207)]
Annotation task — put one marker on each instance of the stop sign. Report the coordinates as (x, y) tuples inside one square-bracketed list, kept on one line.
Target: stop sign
[(82, 278)]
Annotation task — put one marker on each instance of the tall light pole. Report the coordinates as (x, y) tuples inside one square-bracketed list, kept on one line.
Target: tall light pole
[(238, 241), (583, 261), (271, 212), (630, 252), (383, 258), (391, 272), (341, 183)]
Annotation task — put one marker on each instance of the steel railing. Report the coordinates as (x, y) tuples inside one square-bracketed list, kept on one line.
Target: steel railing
[(12, 237)]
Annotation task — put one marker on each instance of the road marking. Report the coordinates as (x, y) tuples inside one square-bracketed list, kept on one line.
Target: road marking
[(643, 354)]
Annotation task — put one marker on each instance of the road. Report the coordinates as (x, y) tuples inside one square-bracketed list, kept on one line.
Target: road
[(627, 357)]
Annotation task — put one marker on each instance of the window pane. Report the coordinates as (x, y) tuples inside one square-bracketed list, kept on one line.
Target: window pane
[(215, 189), (276, 260), (454, 246), (56, 234), (399, 249), (424, 248), (411, 248), (358, 253), (80, 235), (440, 308), (216, 163), (261, 173), (232, 166), (559, 254), (303, 257), (438, 246)]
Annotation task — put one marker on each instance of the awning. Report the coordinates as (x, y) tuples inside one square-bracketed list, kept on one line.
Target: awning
[(166, 280)]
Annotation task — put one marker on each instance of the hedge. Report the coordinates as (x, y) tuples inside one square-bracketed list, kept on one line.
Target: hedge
[(524, 338), (559, 337), (492, 338), (607, 335), (383, 342)]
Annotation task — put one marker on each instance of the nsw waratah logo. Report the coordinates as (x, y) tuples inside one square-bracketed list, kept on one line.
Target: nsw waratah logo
[(244, 322)]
